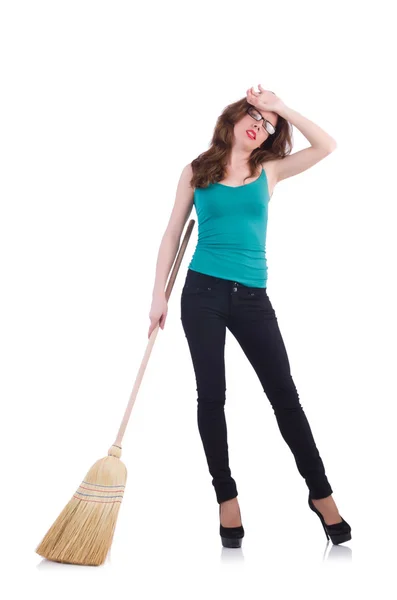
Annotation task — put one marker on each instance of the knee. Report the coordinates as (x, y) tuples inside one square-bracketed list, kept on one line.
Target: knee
[(211, 402), (283, 396)]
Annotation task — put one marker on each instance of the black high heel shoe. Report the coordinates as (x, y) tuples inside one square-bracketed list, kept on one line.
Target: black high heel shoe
[(231, 536), (338, 532)]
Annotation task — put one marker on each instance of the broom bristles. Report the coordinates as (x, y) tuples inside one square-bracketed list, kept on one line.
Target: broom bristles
[(83, 532)]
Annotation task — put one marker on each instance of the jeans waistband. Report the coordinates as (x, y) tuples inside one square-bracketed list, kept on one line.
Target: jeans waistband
[(198, 276)]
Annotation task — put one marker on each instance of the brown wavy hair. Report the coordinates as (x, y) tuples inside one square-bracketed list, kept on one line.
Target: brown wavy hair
[(210, 166)]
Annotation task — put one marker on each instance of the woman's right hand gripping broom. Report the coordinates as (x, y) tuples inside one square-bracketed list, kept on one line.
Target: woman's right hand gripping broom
[(158, 311)]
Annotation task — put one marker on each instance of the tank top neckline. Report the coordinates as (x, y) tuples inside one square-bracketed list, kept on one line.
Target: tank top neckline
[(234, 187)]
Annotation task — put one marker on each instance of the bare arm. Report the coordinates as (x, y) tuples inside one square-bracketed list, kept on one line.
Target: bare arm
[(171, 239), (322, 144)]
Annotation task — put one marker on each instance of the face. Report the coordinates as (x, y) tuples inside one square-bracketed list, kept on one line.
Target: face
[(249, 123)]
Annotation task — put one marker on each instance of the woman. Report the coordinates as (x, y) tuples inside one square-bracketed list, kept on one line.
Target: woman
[(231, 184)]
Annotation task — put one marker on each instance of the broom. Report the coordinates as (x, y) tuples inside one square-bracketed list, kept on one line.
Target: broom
[(83, 532)]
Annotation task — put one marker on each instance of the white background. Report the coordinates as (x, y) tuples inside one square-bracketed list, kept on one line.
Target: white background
[(102, 105)]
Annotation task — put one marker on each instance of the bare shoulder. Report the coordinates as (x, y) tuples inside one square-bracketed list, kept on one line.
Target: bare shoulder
[(183, 203), (188, 170), (185, 177)]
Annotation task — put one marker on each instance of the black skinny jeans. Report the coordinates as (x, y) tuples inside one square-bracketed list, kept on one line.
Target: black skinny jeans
[(209, 305)]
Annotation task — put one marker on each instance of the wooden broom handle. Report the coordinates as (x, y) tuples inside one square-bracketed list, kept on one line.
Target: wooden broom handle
[(153, 336)]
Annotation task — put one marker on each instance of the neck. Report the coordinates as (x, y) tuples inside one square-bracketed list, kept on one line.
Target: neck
[(238, 159)]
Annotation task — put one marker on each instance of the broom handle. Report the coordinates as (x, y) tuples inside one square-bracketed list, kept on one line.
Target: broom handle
[(153, 336)]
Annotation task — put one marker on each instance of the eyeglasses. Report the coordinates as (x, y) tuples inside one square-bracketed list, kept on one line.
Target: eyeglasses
[(255, 114)]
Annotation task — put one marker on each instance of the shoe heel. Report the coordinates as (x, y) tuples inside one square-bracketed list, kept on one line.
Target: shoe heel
[(338, 532), (325, 529)]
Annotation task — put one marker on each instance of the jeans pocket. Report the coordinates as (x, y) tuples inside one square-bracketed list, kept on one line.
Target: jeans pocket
[(192, 289), (200, 284)]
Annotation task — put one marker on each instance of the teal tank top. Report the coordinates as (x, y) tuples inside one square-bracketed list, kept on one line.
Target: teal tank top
[(232, 226)]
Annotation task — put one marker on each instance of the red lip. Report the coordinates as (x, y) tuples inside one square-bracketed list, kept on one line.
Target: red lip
[(253, 133)]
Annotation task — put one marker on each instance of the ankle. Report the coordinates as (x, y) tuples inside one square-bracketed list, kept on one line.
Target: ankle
[(230, 502), (230, 513)]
